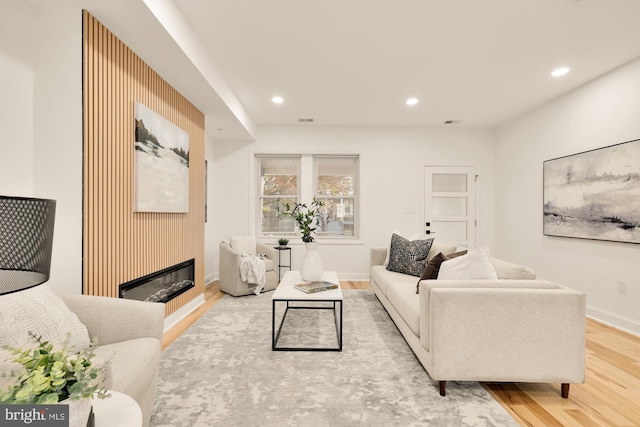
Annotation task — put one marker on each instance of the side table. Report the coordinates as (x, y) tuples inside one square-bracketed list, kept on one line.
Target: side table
[(280, 264), (118, 410)]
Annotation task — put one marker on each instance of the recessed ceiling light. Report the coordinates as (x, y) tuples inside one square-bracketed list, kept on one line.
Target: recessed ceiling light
[(277, 100), (560, 71), (412, 101)]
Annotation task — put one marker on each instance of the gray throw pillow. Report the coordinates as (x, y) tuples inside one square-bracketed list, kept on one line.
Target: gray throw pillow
[(408, 256)]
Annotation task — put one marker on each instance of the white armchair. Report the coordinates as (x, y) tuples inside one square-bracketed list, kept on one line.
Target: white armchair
[(230, 279)]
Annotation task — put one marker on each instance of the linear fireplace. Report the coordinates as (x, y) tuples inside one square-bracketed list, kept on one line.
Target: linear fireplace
[(161, 286)]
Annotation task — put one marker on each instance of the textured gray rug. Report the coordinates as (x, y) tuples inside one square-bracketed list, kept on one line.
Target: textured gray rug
[(222, 372)]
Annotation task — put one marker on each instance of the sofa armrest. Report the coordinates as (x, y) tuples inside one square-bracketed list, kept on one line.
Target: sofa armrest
[(229, 265), (270, 251), (111, 320), (377, 256), (507, 334)]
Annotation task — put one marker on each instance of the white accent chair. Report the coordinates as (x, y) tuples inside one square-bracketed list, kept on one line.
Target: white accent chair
[(230, 280)]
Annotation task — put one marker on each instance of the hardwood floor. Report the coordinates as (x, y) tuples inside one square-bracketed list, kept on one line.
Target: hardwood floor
[(609, 397)]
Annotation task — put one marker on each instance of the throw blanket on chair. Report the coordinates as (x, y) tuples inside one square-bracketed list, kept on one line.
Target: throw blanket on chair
[(253, 271)]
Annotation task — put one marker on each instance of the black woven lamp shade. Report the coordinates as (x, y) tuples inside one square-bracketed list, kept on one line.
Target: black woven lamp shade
[(26, 237)]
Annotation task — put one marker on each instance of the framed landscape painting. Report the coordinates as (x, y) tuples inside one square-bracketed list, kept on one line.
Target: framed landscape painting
[(161, 164), (594, 194)]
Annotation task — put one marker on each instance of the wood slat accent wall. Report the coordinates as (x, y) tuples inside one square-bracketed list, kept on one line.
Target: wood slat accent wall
[(119, 244)]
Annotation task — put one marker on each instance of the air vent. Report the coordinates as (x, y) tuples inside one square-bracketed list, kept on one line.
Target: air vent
[(305, 120), (452, 122)]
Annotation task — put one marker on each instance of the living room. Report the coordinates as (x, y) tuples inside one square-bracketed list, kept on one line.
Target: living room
[(40, 54)]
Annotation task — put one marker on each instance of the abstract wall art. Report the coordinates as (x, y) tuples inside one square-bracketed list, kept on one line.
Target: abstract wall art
[(594, 194), (161, 164)]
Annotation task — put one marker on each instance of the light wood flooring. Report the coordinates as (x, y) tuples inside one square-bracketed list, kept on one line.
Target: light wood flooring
[(610, 396)]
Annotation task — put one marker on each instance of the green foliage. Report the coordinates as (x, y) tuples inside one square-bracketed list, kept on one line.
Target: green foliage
[(283, 242), (52, 376), (304, 215)]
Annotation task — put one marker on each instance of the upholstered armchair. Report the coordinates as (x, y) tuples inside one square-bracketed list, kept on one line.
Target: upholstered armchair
[(230, 278)]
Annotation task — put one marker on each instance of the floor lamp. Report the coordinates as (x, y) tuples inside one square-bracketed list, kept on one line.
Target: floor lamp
[(26, 238)]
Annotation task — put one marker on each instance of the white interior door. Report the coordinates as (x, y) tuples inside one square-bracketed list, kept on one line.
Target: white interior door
[(450, 204)]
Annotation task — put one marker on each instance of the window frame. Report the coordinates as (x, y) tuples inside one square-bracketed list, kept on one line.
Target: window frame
[(356, 175), (257, 226), (307, 188)]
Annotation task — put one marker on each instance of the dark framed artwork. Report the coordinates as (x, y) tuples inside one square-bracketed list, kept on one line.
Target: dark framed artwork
[(161, 164), (594, 194)]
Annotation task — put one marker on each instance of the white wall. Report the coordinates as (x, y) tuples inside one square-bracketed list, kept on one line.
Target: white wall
[(210, 245), (601, 113), (16, 103), (41, 109), (16, 122), (391, 162)]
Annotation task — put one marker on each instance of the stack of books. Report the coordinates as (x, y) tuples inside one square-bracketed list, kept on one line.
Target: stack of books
[(312, 287)]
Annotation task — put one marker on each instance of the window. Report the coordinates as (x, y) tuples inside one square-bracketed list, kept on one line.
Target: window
[(332, 179), (278, 182), (335, 186)]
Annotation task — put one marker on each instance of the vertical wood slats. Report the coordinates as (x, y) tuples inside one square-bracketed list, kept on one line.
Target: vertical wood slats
[(119, 244)]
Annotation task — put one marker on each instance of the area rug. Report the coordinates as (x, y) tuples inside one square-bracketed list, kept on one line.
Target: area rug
[(222, 372)]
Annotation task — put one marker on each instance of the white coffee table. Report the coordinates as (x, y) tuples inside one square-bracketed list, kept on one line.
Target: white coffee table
[(286, 293)]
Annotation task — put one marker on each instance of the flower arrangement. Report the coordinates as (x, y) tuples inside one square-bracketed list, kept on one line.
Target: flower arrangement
[(52, 376), (304, 215)]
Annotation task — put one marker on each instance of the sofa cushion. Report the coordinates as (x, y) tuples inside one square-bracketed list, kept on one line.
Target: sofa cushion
[(437, 248), (383, 277), (408, 257), (404, 299), (507, 270), (476, 264), (243, 244), (40, 311), (433, 266)]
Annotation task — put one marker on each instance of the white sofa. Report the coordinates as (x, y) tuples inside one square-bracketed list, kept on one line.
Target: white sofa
[(128, 335), (502, 330)]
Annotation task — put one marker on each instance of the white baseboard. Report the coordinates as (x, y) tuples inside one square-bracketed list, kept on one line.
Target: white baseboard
[(171, 320), (614, 320), (211, 277)]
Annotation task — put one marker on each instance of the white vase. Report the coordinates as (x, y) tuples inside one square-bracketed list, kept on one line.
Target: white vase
[(79, 411), (311, 270)]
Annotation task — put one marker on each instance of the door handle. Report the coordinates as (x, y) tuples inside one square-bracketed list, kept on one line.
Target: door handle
[(427, 230)]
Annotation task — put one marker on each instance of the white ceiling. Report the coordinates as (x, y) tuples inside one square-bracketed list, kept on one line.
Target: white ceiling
[(355, 62)]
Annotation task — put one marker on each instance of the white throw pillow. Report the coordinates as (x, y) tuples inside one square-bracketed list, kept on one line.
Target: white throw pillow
[(41, 311), (244, 244), (476, 264), (411, 239)]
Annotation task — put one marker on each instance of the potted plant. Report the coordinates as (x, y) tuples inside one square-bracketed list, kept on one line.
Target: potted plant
[(283, 242), (54, 376), (305, 216)]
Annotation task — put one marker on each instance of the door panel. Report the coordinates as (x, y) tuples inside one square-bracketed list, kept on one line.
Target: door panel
[(450, 204)]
